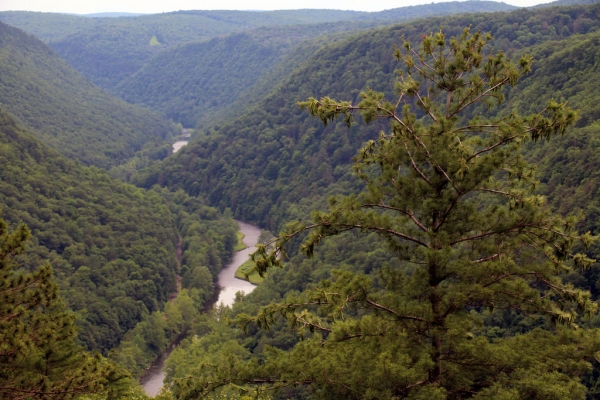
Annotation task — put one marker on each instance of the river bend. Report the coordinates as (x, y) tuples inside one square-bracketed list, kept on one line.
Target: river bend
[(229, 285)]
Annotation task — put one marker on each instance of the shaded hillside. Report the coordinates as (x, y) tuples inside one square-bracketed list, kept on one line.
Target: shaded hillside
[(112, 260), (276, 155), (194, 81), (112, 245), (108, 50), (566, 71), (277, 74), (66, 111)]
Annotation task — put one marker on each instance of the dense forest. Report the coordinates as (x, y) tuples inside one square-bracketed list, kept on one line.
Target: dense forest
[(109, 50), (67, 112), (433, 187), (112, 245), (259, 162), (212, 70)]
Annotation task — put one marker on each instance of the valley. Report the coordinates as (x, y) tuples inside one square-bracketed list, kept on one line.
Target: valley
[(228, 286), (431, 191)]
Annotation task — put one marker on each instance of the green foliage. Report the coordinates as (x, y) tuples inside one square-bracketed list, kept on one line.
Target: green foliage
[(452, 200), (113, 261), (108, 50), (64, 110), (39, 357), (206, 243), (246, 271), (113, 247), (260, 163), (222, 69)]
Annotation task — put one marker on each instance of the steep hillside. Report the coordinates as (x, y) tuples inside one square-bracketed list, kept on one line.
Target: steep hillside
[(275, 155), (112, 245), (66, 111), (194, 81), (108, 50), (112, 260), (565, 71)]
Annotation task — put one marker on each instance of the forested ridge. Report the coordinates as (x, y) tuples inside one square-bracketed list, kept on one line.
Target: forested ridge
[(112, 246), (273, 154), (443, 267), (109, 50), (223, 69), (66, 111)]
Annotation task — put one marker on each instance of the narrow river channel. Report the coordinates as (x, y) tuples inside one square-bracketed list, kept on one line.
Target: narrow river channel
[(152, 380)]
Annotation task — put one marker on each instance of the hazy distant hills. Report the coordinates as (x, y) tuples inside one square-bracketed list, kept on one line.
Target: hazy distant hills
[(567, 3), (65, 110), (108, 50), (197, 80), (111, 15), (438, 9), (200, 79), (262, 161)]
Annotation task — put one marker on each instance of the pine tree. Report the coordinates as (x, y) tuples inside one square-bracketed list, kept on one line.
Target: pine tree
[(454, 201), (39, 357)]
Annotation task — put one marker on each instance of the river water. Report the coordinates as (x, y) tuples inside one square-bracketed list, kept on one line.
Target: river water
[(228, 283), (178, 145), (152, 380)]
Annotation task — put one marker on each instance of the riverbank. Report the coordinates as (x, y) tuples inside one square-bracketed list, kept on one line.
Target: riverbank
[(246, 272), (227, 280), (152, 380)]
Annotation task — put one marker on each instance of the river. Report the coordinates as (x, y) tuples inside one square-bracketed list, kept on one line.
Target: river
[(152, 380), (228, 283), (185, 137), (178, 145)]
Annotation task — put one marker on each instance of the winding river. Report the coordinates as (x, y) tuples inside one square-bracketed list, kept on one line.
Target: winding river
[(228, 283), (152, 380)]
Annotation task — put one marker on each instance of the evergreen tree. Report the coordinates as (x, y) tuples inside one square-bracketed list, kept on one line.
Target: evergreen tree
[(454, 201), (39, 357)]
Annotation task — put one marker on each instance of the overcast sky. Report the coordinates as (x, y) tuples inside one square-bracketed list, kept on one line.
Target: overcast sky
[(158, 6)]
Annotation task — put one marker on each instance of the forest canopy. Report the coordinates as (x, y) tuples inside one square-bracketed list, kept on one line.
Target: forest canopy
[(451, 198)]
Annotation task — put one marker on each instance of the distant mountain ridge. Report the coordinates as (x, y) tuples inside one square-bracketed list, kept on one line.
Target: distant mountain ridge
[(199, 80), (567, 3), (109, 50), (112, 15)]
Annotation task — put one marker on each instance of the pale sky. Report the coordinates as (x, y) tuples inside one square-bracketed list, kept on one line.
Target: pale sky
[(159, 6)]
